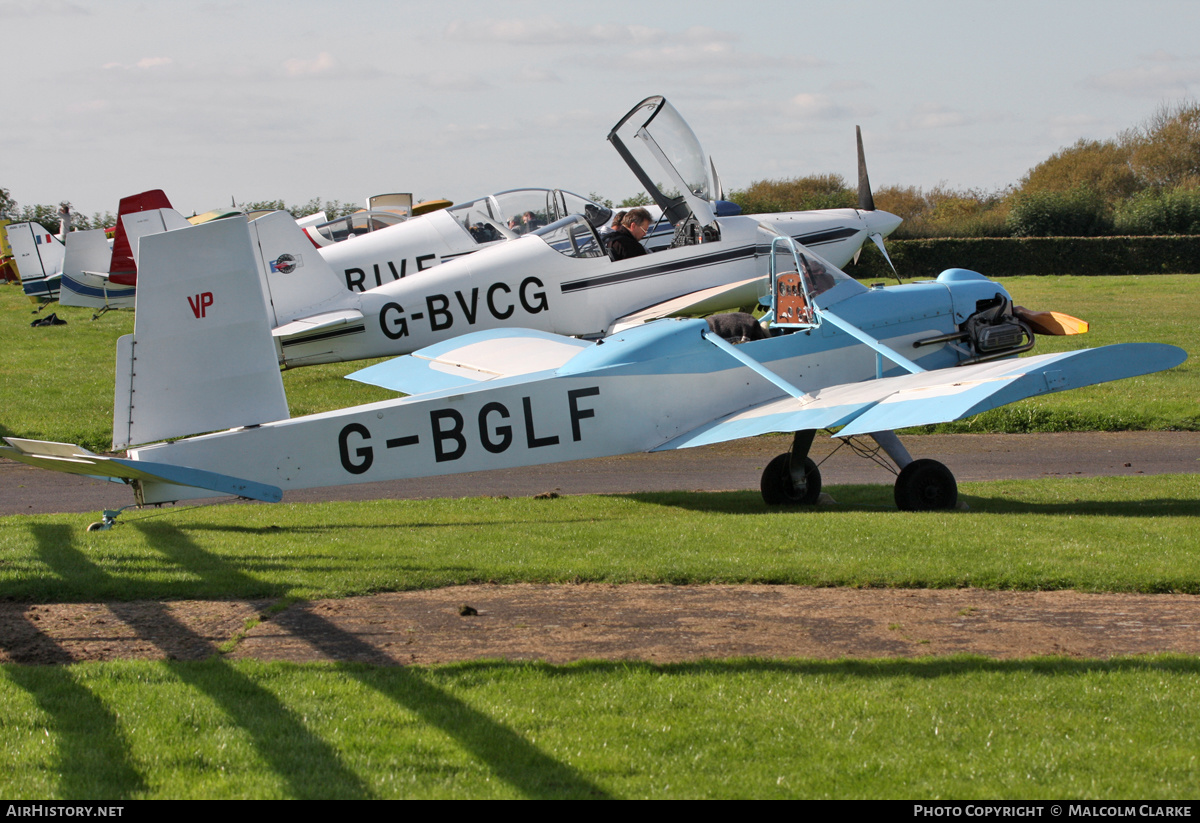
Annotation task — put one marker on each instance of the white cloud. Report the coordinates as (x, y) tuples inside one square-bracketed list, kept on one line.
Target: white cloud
[(321, 64), (1165, 76), (144, 63), (532, 74), (458, 81), (546, 31), (45, 8), (818, 107), (1069, 127), (932, 116)]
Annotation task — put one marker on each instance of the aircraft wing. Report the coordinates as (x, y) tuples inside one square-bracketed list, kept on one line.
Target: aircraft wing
[(936, 396), (704, 301), (72, 459), (471, 359)]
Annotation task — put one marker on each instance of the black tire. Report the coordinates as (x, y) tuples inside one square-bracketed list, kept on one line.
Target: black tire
[(926, 485), (779, 490), (96, 527)]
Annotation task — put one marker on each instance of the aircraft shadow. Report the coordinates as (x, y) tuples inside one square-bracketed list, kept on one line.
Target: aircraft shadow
[(879, 498)]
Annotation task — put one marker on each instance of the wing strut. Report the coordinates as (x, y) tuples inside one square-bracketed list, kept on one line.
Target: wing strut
[(753, 364), (860, 335)]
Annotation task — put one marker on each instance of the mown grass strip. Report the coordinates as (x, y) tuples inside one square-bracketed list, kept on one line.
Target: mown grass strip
[(960, 727), (1100, 534)]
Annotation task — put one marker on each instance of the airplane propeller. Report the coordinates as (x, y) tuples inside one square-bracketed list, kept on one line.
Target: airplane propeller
[(866, 202)]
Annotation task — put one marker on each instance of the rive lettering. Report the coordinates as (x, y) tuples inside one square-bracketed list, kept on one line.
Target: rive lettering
[(453, 436), (441, 310), (356, 279)]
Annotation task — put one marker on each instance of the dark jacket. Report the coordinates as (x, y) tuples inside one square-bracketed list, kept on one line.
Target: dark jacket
[(622, 245)]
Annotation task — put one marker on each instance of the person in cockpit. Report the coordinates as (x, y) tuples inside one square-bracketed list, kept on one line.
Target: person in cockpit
[(625, 242)]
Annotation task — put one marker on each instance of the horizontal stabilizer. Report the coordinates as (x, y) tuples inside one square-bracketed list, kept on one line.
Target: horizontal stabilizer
[(72, 459), (471, 359), (702, 302), (935, 397), (326, 321)]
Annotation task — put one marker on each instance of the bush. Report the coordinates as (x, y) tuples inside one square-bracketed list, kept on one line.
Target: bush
[(1151, 212), (819, 191), (1080, 212)]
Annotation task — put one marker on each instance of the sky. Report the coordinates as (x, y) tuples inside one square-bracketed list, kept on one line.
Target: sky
[(257, 100)]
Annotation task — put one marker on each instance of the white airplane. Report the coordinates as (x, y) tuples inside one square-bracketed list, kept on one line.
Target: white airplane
[(102, 275), (554, 277), (38, 255), (868, 360)]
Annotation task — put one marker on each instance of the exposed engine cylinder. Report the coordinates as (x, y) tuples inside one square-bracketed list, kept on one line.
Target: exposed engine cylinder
[(993, 330)]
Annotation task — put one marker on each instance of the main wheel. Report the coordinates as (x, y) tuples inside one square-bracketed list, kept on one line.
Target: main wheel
[(925, 485), (778, 488)]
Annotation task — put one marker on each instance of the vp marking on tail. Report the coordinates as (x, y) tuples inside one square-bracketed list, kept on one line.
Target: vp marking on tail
[(200, 303)]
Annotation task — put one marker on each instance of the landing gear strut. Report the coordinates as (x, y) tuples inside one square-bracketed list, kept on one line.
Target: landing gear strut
[(792, 478)]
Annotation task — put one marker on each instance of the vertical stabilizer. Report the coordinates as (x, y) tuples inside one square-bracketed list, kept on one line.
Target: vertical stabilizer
[(297, 279), (84, 268), (134, 227), (39, 258), (201, 356), (122, 269)]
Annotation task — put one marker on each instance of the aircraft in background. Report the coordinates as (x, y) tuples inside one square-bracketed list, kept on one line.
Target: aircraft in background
[(554, 276), (868, 360), (38, 256), (101, 275)]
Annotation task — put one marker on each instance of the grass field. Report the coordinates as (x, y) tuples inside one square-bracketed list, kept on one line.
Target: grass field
[(962, 728), (966, 728), (1102, 534), (957, 728)]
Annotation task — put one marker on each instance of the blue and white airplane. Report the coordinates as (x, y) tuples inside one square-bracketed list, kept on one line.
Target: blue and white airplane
[(839, 354)]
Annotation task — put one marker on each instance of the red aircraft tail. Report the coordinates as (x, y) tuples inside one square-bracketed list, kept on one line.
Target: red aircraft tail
[(122, 270)]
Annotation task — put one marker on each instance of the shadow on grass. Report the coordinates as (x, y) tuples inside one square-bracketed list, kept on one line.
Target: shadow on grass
[(509, 756), (1150, 507), (332, 528), (94, 759), (879, 498), (879, 668)]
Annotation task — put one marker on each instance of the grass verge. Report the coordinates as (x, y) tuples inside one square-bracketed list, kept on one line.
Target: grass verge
[(960, 727), (1095, 534)]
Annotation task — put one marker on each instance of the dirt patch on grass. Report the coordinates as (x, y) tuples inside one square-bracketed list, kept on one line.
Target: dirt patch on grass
[(558, 624)]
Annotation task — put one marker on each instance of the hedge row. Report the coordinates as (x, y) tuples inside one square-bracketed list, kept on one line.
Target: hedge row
[(1009, 256)]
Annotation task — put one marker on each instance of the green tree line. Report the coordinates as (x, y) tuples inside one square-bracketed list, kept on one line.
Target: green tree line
[(1145, 181)]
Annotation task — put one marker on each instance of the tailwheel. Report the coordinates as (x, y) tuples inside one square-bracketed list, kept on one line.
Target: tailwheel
[(925, 485), (110, 520), (780, 489)]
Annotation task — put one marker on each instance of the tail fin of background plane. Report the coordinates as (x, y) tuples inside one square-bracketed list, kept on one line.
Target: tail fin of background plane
[(297, 280), (83, 280), (122, 269), (39, 258), (203, 352)]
